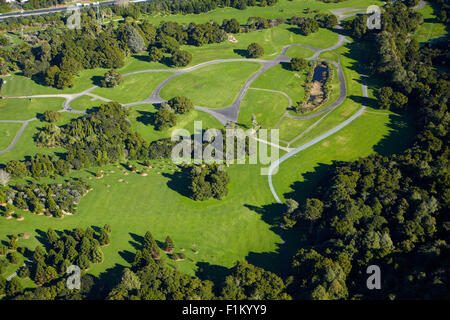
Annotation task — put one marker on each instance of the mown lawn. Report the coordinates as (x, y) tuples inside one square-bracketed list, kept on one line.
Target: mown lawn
[(213, 86), (368, 134), (141, 118), (431, 28), (154, 203), (7, 133), (136, 87), (281, 78), (268, 108), (25, 109)]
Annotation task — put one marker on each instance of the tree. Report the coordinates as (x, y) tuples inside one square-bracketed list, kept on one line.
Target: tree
[(97, 255), (51, 116), (298, 64), (129, 280), (255, 50), (4, 177), (181, 104), (52, 75), (181, 58), (156, 54), (104, 238), (111, 79), (13, 287), (64, 80), (168, 245), (14, 258), (164, 119), (231, 26), (135, 41)]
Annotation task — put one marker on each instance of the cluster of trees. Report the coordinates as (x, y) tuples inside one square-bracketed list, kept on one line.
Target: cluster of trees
[(207, 181), (255, 50), (51, 116), (165, 117), (111, 79), (298, 64), (391, 211), (54, 199), (48, 267)]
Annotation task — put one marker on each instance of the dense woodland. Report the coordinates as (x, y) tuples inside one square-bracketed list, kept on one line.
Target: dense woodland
[(391, 211)]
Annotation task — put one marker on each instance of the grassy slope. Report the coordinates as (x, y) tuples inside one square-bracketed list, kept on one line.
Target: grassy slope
[(268, 108), (303, 171), (430, 29), (7, 133), (136, 87), (282, 79), (152, 203), (24, 109), (141, 121), (214, 86)]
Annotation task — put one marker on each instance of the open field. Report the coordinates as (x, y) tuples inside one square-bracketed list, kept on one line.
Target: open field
[(283, 9), (368, 134), (214, 86), (7, 133), (282, 79), (431, 28), (136, 87), (154, 203), (24, 109), (268, 108), (85, 102), (141, 118)]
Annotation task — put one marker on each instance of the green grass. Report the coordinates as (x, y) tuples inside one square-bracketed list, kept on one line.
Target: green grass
[(214, 86), (7, 133), (272, 40), (136, 87), (25, 109), (299, 52), (290, 128), (151, 203), (18, 85), (25, 145), (283, 9), (370, 133), (281, 79), (85, 102), (431, 28), (268, 108), (141, 121)]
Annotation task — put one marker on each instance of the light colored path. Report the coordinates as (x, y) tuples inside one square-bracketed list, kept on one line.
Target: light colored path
[(307, 145)]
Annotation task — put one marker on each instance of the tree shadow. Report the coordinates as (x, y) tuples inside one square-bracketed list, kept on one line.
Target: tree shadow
[(212, 272), (107, 280), (286, 66), (178, 181), (295, 30), (128, 256), (242, 52), (366, 101), (309, 185), (97, 80), (401, 135), (146, 117)]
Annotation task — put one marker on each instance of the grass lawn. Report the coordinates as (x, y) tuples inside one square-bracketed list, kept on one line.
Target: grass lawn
[(283, 9), (136, 87), (268, 108), (141, 121), (281, 79), (25, 145), (25, 109), (370, 133), (214, 86), (7, 133), (290, 128), (272, 40), (299, 52), (431, 28), (18, 85), (85, 102), (153, 203)]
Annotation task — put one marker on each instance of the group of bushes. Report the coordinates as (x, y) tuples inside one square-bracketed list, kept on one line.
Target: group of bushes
[(165, 116), (54, 199)]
